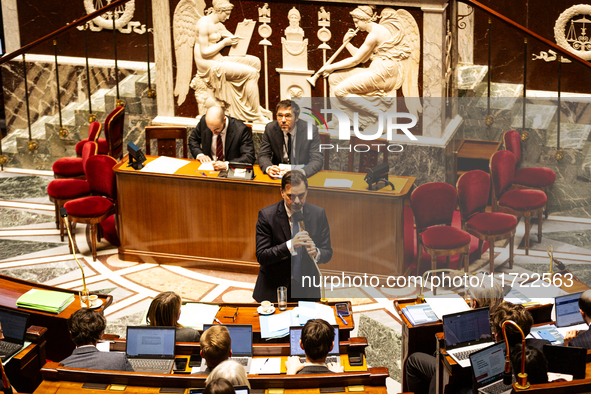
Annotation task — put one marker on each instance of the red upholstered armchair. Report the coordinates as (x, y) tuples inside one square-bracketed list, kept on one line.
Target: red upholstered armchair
[(102, 204), (71, 167), (533, 177), (473, 191), (518, 202), (61, 191), (114, 132), (94, 131), (433, 206)]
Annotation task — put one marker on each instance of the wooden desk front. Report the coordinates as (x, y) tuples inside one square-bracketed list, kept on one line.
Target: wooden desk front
[(194, 220), (59, 344)]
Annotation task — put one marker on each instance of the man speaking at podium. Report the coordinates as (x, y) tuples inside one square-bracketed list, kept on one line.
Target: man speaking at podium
[(221, 139), (287, 249)]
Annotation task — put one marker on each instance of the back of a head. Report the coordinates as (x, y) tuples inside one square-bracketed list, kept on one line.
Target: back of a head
[(86, 326), (317, 338), (230, 370), (164, 309), (215, 345), (536, 365), (219, 386), (487, 294), (585, 302), (517, 313)]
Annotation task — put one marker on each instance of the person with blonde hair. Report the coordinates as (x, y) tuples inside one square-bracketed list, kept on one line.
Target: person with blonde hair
[(216, 346), (230, 370), (165, 310), (486, 295)]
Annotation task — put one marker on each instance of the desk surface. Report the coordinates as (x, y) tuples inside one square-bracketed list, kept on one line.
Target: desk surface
[(168, 219)]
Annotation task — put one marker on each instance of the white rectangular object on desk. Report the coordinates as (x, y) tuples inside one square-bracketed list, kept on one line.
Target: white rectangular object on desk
[(165, 165), (194, 314), (446, 305)]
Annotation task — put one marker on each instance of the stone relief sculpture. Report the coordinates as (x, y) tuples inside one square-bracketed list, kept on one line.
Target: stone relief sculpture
[(231, 82), (393, 47)]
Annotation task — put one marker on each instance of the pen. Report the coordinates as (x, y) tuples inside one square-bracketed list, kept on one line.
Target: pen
[(201, 173), (264, 363), (343, 319), (217, 321)]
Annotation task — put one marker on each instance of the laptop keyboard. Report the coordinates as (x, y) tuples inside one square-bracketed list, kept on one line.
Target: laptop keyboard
[(139, 364), (8, 347), (329, 359), (497, 388), (464, 354), (241, 360)]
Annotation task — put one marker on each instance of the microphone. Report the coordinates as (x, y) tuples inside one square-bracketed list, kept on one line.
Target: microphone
[(299, 217)]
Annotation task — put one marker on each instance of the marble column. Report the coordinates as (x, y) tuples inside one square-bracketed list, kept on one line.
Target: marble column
[(12, 37), (465, 34), (162, 52)]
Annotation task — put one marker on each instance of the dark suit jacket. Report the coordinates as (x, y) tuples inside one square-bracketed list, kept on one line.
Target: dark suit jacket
[(89, 357), (272, 233), (306, 152), (537, 343), (238, 147), (313, 369), (582, 340)]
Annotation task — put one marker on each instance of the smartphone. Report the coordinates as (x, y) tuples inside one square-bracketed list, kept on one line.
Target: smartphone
[(342, 309), (195, 360), (180, 364), (355, 358)]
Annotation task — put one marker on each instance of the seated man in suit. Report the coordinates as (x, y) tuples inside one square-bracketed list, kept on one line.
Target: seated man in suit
[(86, 328), (216, 346), (317, 340), (581, 338), (222, 139), (285, 250), (285, 141)]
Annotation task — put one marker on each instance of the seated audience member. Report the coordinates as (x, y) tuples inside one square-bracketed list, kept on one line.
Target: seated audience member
[(230, 370), (216, 346), (6, 387), (317, 340), (536, 365), (522, 317), (165, 310), (581, 338), (486, 295), (219, 386), (86, 328)]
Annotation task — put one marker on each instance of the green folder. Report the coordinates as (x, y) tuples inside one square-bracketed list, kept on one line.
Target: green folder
[(45, 300)]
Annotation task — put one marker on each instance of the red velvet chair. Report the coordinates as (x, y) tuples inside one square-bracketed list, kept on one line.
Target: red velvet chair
[(102, 204), (473, 190), (71, 167), (114, 125), (93, 135), (433, 205), (518, 202), (61, 191), (532, 177)]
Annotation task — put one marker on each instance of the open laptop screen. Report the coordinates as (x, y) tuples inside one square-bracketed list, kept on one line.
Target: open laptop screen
[(241, 335), (567, 310), (295, 333), (467, 327), (14, 325), (150, 342), (488, 364)]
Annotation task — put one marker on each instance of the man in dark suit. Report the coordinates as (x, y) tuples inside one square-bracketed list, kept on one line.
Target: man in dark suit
[(221, 139), (581, 338), (285, 141), (285, 250), (86, 328)]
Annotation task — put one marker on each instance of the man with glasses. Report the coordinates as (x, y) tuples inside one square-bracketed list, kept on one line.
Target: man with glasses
[(287, 248), (285, 141)]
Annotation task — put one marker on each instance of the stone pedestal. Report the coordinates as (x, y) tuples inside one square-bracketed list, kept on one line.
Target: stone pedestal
[(293, 83)]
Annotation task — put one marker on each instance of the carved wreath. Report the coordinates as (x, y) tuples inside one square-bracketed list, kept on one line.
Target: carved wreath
[(123, 20), (560, 28)]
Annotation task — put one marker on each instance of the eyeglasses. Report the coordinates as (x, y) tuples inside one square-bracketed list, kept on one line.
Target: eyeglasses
[(233, 317)]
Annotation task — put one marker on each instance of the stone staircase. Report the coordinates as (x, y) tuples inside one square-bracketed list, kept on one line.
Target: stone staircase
[(139, 112)]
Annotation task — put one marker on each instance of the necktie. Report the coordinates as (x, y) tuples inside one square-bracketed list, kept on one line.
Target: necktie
[(296, 261), (289, 149), (219, 151)]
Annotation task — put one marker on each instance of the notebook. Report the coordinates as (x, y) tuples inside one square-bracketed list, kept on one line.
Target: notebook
[(567, 360), (488, 366), (295, 333), (14, 327), (465, 333), (150, 349), (241, 335)]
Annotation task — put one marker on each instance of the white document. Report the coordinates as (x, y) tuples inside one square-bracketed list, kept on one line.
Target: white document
[(103, 346), (206, 166), (280, 322), (165, 165), (312, 310), (194, 314), (345, 183), (448, 304), (270, 365), (578, 327)]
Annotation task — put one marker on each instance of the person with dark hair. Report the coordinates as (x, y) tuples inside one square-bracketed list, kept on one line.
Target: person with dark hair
[(285, 141), (219, 386), (317, 340), (216, 346), (522, 317), (165, 310), (86, 328), (6, 387), (581, 338), (285, 251), (536, 365)]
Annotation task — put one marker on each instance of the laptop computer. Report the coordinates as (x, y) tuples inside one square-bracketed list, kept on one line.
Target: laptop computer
[(488, 366), (241, 335), (567, 360), (295, 333), (465, 333), (150, 349), (14, 327)]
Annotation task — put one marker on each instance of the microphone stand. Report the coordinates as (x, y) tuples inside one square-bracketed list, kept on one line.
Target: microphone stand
[(85, 294), (522, 382)]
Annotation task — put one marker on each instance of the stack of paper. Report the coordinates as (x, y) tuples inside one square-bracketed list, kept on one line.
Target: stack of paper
[(447, 304), (419, 314), (165, 165), (311, 310), (548, 332), (44, 300), (277, 326), (194, 314), (514, 296)]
